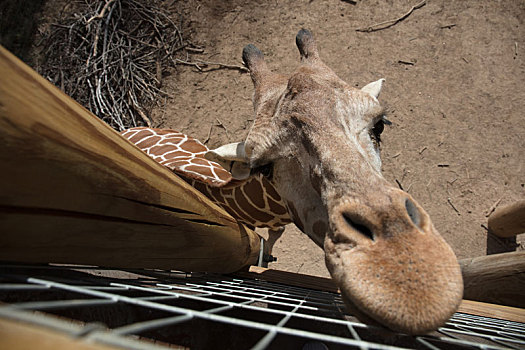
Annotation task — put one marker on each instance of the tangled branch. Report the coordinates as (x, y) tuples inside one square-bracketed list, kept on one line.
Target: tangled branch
[(110, 55)]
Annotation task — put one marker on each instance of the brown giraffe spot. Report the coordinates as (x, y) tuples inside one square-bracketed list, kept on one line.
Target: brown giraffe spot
[(222, 173), (162, 150), (140, 135), (200, 161), (276, 207), (227, 191), (254, 191), (270, 190), (165, 131), (217, 195), (173, 140), (203, 170), (295, 216), (148, 142), (194, 146), (319, 228), (198, 185), (249, 208), (237, 212), (176, 163)]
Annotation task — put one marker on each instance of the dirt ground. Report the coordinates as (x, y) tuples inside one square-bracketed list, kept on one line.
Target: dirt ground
[(454, 89)]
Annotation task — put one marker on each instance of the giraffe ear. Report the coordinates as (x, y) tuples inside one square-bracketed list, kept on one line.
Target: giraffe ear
[(233, 158), (374, 88)]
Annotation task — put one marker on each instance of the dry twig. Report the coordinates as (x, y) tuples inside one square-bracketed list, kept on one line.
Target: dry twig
[(200, 64), (452, 205), (209, 134), (392, 22), (493, 207), (109, 55)]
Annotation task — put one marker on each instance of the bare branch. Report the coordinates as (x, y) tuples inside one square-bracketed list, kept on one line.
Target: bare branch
[(392, 22)]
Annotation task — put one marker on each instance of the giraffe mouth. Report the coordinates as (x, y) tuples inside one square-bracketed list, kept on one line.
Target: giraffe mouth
[(405, 287)]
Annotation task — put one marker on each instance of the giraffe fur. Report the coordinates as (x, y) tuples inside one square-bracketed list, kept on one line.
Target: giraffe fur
[(252, 201)]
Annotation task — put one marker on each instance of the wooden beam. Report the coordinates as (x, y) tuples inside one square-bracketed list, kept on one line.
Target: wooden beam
[(491, 310), (72, 190), (290, 278), (15, 335), (508, 221), (498, 278), (327, 285)]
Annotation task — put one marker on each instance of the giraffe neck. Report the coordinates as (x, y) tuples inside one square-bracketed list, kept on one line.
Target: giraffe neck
[(253, 201)]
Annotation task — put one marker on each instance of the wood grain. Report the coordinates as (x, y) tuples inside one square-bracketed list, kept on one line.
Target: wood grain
[(72, 190), (16, 335), (498, 278), (508, 221), (491, 310)]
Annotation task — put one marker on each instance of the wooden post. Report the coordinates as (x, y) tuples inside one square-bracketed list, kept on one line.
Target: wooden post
[(498, 278), (508, 221), (72, 190)]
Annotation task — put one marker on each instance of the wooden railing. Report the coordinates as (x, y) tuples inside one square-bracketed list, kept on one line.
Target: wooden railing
[(73, 190)]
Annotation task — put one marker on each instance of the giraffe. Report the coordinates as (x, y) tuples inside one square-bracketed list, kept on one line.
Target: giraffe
[(252, 201), (315, 140)]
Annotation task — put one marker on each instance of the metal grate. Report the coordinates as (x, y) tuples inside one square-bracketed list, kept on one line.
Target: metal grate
[(150, 309)]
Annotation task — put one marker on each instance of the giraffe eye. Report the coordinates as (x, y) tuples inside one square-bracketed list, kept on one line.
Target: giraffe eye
[(265, 170), (378, 128), (376, 132)]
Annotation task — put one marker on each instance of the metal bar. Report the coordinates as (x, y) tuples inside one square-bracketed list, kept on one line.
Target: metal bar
[(246, 298), (305, 316), (426, 343), (455, 340), (139, 327), (20, 286), (213, 317), (274, 296), (241, 294), (59, 304), (486, 336), (267, 339)]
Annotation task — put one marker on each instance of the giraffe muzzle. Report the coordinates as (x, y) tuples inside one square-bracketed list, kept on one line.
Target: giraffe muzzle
[(391, 264)]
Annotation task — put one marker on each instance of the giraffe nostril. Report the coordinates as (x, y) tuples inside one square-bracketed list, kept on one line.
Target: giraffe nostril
[(358, 226), (413, 212)]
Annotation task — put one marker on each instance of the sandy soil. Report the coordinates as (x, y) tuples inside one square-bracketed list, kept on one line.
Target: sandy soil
[(454, 90)]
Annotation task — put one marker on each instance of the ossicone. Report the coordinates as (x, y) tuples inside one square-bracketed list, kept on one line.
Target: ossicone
[(254, 60), (251, 54), (306, 45)]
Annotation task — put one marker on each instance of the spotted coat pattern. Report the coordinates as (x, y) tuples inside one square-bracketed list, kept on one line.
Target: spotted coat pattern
[(253, 201)]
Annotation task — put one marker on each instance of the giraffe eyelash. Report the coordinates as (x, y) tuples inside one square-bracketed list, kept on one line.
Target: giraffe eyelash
[(265, 170), (377, 129)]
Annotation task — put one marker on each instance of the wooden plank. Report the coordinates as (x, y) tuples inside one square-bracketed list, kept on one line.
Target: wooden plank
[(290, 278), (16, 335), (491, 310), (508, 221), (72, 190), (327, 285), (497, 279)]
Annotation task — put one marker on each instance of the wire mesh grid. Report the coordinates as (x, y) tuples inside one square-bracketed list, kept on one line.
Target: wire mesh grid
[(150, 309)]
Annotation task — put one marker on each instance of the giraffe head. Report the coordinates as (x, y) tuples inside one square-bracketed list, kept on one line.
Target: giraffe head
[(317, 140)]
